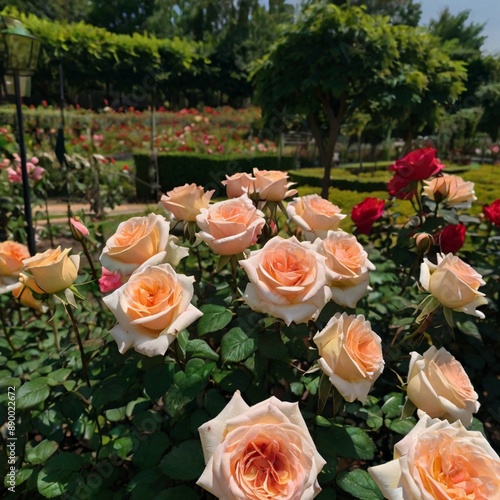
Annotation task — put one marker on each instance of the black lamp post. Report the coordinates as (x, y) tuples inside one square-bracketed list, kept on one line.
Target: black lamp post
[(18, 57)]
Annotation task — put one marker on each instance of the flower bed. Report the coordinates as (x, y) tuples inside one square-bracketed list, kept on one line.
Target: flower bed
[(250, 348)]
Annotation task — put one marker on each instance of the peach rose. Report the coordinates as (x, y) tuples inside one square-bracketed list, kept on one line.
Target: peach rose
[(351, 355), (272, 185), (231, 226), (238, 184), (151, 309), (23, 293), (138, 240), (259, 452), (287, 280), (439, 386), (314, 215), (348, 264), (453, 283), (185, 202), (440, 460), (12, 255), (53, 270), (450, 189)]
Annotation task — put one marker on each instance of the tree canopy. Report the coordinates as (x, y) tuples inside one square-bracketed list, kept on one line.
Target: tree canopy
[(335, 60)]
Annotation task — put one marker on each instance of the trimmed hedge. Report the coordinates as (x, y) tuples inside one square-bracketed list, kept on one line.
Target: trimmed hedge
[(177, 169)]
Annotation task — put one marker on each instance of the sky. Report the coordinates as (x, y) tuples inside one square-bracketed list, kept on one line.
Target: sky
[(481, 11)]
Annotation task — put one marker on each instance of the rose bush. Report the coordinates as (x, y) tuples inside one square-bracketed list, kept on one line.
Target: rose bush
[(259, 452), (439, 386), (440, 460), (271, 353)]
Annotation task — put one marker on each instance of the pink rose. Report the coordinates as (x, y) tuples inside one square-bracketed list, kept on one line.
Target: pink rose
[(139, 239), (439, 386), (348, 266), (78, 229), (287, 280), (440, 460), (185, 202), (259, 452), (451, 190), (314, 215), (151, 309), (272, 185), (238, 184), (230, 227), (12, 255), (350, 355), (110, 280), (453, 283)]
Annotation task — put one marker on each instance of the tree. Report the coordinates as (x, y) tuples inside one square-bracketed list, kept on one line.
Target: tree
[(489, 95), (120, 16), (405, 12), (468, 37), (55, 10)]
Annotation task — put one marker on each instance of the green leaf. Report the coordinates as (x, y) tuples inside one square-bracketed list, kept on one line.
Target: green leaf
[(393, 404), (40, 453), (469, 328), (402, 425), (198, 348), (214, 318), (346, 441), (146, 484), (185, 462), (272, 347), (150, 449), (58, 376), (33, 392), (236, 346), (360, 485)]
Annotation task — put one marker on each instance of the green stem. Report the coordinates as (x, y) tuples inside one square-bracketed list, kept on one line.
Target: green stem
[(89, 259), (80, 344)]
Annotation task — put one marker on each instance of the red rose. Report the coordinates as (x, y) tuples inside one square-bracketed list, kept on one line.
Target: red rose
[(399, 187), (418, 165), (364, 214), (451, 238), (492, 212)]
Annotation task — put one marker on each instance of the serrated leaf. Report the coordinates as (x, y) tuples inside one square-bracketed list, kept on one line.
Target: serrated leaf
[(214, 318), (200, 349), (393, 405), (185, 462), (236, 345), (41, 452), (360, 485), (33, 392)]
